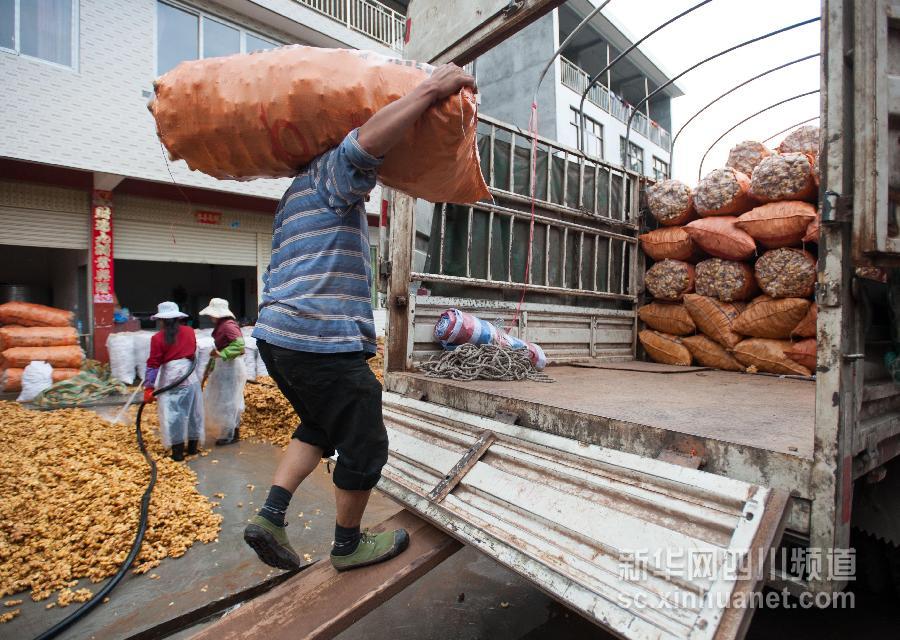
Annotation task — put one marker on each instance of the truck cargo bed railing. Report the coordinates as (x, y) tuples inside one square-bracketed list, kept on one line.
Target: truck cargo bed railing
[(586, 260), (566, 180), (577, 271)]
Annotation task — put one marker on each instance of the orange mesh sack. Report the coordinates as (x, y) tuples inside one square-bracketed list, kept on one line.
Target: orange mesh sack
[(668, 318), (664, 348), (710, 353), (768, 356), (804, 353), (720, 237), (27, 314), (11, 379), (787, 176), (37, 337), (668, 242), (806, 328), (267, 114), (812, 231), (778, 224), (726, 280), (745, 156), (670, 202), (771, 318), (64, 374), (67, 357), (786, 273), (714, 318), (723, 192), (803, 140), (669, 280)]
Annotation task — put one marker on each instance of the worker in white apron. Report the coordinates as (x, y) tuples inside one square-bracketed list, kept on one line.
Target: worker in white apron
[(173, 351), (223, 394)]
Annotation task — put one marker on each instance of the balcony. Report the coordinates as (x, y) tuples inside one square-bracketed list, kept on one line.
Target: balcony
[(368, 17), (577, 80)]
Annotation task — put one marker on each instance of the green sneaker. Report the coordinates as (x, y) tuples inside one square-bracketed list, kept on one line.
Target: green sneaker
[(271, 544), (372, 549)]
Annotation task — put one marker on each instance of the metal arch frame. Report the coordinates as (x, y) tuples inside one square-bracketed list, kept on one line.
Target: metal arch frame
[(721, 53), (621, 56), (751, 116), (796, 124), (730, 49), (729, 92)]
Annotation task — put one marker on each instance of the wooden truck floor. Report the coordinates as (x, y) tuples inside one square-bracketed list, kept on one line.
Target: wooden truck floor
[(763, 412)]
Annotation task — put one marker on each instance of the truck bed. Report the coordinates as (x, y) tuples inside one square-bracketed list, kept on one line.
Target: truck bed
[(763, 412)]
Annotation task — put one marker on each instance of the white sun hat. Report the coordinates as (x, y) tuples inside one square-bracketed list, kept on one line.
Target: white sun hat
[(167, 310), (218, 308)]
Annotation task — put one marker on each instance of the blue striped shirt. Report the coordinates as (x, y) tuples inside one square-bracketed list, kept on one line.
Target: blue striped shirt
[(317, 287)]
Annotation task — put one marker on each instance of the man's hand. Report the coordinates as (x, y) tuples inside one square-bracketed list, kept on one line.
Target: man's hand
[(387, 126), (448, 79), (148, 395)]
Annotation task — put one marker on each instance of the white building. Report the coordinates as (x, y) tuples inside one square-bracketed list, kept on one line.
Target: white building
[(507, 76), (77, 144)]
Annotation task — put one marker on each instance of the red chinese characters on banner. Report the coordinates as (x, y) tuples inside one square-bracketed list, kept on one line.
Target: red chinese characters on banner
[(102, 247), (208, 217)]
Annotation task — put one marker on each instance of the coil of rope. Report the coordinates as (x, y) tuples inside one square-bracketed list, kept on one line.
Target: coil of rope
[(483, 362)]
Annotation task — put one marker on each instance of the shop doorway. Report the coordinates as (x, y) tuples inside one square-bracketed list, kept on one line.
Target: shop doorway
[(142, 284), (56, 277)]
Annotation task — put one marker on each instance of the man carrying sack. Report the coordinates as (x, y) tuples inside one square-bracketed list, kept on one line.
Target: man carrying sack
[(315, 332)]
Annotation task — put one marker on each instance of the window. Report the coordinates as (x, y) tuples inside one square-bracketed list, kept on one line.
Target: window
[(660, 169), (593, 134), (258, 44), (178, 37), (220, 39), (8, 24), (185, 34), (43, 29), (635, 156)]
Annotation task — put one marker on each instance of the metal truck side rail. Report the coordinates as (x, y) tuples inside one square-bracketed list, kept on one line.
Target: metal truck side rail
[(591, 282), (504, 139)]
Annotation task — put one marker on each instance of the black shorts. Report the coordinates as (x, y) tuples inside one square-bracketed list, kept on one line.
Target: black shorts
[(338, 400)]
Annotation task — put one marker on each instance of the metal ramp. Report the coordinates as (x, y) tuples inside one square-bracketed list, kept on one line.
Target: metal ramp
[(644, 548), (319, 603)]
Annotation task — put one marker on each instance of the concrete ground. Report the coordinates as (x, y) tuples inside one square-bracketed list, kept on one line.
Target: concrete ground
[(468, 597), (206, 572)]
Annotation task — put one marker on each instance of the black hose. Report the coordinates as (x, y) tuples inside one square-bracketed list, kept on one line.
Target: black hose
[(86, 608)]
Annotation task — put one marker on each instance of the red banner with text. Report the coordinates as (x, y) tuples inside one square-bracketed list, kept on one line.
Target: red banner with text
[(102, 247)]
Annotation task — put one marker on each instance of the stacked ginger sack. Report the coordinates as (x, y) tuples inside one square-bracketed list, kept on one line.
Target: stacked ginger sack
[(734, 266), (34, 332)]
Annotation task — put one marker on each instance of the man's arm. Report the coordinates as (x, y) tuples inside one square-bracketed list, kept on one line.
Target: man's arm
[(384, 129)]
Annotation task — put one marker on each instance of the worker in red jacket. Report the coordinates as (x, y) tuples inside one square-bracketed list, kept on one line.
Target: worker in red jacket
[(172, 354), (223, 395)]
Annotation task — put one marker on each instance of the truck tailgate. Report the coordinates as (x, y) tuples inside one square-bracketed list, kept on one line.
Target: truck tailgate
[(642, 547)]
